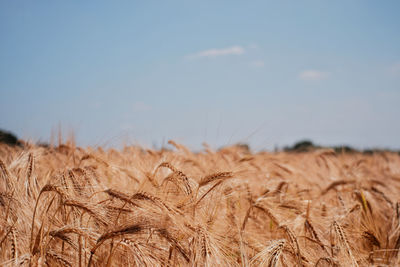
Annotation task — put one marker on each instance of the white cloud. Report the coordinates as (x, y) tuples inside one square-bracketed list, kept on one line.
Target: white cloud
[(313, 75), (233, 50), (96, 104), (257, 63), (140, 106), (395, 69), (253, 46)]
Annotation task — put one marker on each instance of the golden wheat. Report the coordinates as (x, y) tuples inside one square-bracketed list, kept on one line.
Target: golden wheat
[(70, 206)]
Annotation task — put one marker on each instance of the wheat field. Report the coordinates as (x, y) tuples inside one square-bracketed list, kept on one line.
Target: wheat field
[(70, 206)]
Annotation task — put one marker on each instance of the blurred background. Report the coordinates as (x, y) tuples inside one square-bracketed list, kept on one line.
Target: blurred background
[(264, 73)]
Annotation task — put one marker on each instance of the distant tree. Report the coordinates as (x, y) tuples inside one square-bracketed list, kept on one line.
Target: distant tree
[(244, 147), (301, 146), (8, 138), (344, 149)]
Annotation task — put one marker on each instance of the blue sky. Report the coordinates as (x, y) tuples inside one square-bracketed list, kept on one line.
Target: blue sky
[(267, 73)]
